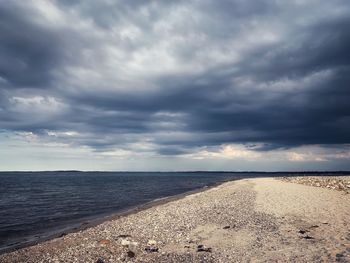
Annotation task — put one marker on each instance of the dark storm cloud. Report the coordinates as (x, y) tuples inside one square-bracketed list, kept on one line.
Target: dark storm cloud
[(28, 52), (322, 46), (179, 76)]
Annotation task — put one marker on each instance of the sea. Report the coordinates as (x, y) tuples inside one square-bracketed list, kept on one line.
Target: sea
[(35, 206)]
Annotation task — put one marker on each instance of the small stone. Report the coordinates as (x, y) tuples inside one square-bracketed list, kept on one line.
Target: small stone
[(303, 231), (104, 242), (202, 248), (99, 260), (151, 249), (133, 246), (226, 227), (125, 242), (63, 234), (130, 254), (307, 237), (152, 242)]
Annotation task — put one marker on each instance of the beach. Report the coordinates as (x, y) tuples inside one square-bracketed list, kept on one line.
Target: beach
[(248, 220)]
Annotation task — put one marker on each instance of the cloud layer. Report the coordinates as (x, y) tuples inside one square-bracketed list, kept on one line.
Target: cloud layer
[(177, 78)]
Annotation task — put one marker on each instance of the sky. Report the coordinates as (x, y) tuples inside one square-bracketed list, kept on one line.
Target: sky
[(233, 85)]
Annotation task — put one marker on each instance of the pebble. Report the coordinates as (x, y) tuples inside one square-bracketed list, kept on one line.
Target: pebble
[(152, 242), (125, 242), (104, 242), (150, 249), (133, 246), (202, 248)]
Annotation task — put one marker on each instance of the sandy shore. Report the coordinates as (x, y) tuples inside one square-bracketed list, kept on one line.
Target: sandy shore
[(250, 220)]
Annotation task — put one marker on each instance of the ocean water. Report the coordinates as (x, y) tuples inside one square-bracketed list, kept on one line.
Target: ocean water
[(35, 205)]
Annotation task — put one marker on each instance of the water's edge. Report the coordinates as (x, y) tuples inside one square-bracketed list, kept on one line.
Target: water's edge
[(92, 220), (99, 219)]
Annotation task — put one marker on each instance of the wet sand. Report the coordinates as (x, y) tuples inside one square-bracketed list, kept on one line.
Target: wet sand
[(249, 220)]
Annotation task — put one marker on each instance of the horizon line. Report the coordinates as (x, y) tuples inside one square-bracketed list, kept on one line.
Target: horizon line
[(185, 171)]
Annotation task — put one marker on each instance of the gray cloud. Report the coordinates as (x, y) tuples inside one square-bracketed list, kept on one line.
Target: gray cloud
[(177, 76)]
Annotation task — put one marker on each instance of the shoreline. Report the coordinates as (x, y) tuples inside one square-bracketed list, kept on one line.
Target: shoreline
[(257, 219), (85, 224)]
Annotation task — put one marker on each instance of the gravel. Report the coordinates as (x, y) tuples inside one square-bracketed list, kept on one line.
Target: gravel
[(340, 183)]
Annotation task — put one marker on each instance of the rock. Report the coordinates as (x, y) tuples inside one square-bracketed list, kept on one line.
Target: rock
[(133, 246), (150, 249), (99, 260), (130, 254), (202, 248), (226, 227), (63, 234), (301, 231), (104, 242), (308, 237), (152, 242), (125, 242)]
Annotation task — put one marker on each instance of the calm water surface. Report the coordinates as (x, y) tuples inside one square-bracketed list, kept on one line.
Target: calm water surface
[(34, 205)]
